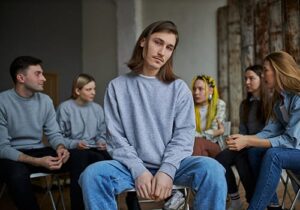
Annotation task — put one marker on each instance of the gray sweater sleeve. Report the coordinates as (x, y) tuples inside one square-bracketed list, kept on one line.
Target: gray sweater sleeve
[(22, 122), (118, 145), (51, 128), (181, 145), (101, 133), (6, 150), (63, 121)]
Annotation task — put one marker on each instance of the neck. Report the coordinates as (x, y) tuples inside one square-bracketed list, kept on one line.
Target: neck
[(80, 102), (149, 71), (24, 92), (256, 94), (202, 104)]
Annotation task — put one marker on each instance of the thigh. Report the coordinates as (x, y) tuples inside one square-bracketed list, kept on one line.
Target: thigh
[(12, 169), (192, 167), (287, 158), (110, 171), (98, 155), (41, 152), (227, 157)]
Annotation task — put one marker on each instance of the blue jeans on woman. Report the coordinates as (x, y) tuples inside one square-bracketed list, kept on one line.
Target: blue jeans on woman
[(102, 181), (269, 164)]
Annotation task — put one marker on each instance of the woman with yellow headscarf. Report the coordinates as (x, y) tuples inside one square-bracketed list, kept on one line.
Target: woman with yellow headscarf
[(210, 115)]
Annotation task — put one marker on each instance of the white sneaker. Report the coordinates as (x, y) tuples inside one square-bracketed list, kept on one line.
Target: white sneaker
[(176, 202)]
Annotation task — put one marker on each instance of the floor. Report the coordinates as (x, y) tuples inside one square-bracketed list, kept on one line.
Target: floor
[(6, 203)]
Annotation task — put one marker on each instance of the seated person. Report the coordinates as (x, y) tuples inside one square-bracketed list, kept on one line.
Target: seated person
[(25, 114), (150, 128), (81, 120), (277, 146), (210, 113), (252, 120)]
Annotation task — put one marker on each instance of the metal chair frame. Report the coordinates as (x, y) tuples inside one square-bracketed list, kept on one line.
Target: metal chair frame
[(48, 188), (290, 176)]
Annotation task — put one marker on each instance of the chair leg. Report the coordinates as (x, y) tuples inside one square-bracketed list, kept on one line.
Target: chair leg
[(187, 194), (295, 200), (61, 194), (2, 189), (49, 186), (285, 184)]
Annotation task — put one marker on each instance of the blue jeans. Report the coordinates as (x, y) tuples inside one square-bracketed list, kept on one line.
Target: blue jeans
[(102, 181), (273, 161)]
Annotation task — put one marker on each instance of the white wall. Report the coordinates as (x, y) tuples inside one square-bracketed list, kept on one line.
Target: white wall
[(99, 44), (197, 25), (49, 30)]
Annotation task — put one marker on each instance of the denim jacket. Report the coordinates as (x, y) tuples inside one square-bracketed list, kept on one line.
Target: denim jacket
[(284, 131)]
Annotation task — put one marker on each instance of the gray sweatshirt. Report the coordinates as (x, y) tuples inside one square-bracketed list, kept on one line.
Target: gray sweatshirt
[(81, 122), (150, 124), (22, 122)]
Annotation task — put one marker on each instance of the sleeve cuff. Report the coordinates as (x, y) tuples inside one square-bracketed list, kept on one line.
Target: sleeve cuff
[(275, 142), (169, 169), (137, 170), (15, 156), (260, 135)]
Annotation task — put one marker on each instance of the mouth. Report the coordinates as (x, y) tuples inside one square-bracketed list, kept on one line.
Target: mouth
[(159, 59)]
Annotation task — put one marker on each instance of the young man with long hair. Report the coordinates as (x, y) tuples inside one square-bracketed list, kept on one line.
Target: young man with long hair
[(150, 122)]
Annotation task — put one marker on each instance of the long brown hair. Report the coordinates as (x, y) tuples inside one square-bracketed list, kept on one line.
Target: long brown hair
[(245, 105), (287, 76), (136, 61)]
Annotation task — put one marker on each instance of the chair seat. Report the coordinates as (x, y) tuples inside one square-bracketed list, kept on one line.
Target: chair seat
[(187, 193)]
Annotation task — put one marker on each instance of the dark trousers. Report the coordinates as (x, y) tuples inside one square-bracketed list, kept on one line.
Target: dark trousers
[(229, 158), (17, 177)]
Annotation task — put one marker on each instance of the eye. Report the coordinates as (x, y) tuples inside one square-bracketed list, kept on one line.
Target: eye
[(158, 42), (170, 48)]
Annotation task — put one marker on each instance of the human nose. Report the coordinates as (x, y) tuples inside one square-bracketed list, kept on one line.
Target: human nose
[(43, 78), (162, 50), (247, 81)]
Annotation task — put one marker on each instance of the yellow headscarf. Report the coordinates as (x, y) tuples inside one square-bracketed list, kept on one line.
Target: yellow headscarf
[(212, 102)]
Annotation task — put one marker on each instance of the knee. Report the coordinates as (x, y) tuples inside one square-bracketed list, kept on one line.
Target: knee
[(18, 180), (97, 172), (223, 158), (272, 155), (211, 169)]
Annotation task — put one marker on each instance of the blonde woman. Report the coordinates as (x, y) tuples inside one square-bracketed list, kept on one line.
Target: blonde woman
[(278, 144), (81, 119), (210, 115)]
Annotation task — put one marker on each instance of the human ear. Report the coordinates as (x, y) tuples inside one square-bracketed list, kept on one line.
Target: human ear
[(20, 78), (77, 91), (142, 43), (211, 90)]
